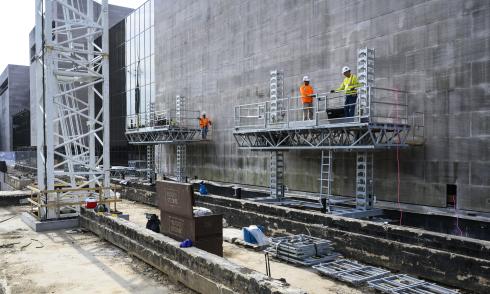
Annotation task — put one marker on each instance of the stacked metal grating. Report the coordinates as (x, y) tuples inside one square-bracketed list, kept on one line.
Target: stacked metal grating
[(350, 271), (301, 249), (405, 284)]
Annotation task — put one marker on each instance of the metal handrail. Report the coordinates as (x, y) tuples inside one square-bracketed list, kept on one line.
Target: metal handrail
[(288, 112), (163, 119)]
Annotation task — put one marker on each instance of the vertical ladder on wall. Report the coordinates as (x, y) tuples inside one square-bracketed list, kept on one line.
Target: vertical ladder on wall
[(364, 180), (150, 163), (181, 156), (277, 174), (326, 177)]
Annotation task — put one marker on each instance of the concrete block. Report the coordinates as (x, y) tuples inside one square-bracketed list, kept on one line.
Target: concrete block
[(447, 172), (480, 173), (48, 225), (474, 198), (480, 123), (478, 73), (436, 126), (459, 125), (460, 77)]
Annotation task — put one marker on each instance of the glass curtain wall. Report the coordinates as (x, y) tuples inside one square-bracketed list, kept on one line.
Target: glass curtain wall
[(140, 73)]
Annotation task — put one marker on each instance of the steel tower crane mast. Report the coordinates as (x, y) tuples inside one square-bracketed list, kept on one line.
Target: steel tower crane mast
[(72, 97)]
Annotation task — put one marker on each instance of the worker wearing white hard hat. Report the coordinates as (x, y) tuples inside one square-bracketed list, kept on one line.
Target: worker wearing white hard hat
[(307, 93), (349, 86)]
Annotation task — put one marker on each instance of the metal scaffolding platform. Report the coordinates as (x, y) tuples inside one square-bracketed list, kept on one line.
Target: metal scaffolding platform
[(380, 121), (358, 136), (162, 135), (175, 127)]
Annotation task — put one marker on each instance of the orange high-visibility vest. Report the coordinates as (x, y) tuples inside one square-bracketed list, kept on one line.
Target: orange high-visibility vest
[(203, 122), (306, 91)]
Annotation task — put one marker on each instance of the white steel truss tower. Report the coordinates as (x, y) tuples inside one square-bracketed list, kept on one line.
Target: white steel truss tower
[(72, 97)]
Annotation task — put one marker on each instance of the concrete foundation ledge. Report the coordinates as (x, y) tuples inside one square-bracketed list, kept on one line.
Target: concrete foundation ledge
[(195, 268), (49, 225), (420, 237)]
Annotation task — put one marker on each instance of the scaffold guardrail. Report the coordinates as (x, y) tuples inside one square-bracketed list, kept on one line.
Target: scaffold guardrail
[(383, 106)]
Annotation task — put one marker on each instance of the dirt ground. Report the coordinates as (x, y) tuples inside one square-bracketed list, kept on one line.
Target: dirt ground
[(298, 277), (70, 261)]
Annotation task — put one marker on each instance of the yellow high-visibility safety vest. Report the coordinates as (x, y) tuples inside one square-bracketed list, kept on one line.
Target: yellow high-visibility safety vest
[(349, 85)]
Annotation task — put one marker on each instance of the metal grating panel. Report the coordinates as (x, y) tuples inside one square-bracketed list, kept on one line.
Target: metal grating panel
[(350, 271), (398, 284)]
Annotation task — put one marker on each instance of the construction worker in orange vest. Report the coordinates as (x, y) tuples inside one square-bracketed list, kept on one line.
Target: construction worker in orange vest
[(204, 124), (307, 94)]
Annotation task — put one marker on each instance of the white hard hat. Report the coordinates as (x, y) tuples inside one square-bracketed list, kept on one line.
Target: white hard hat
[(345, 69), (306, 79), (204, 113)]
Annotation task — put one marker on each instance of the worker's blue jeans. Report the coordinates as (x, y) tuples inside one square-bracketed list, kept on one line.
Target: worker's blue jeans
[(204, 132), (350, 105)]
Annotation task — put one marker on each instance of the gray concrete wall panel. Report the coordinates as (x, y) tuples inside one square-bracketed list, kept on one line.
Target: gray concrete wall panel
[(219, 54)]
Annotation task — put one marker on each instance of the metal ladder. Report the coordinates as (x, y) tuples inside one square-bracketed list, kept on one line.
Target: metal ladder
[(181, 156), (150, 163), (277, 174), (326, 177), (364, 180)]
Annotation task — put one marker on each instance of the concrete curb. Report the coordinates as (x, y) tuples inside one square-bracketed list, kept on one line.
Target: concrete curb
[(196, 269)]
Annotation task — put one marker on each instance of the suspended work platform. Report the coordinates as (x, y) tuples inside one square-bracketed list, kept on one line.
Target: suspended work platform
[(380, 122), (178, 127), (164, 127)]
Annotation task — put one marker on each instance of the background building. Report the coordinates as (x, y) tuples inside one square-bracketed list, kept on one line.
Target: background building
[(14, 98)]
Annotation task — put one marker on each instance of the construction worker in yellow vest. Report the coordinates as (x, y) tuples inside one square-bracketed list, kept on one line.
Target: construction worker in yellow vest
[(307, 94), (349, 86)]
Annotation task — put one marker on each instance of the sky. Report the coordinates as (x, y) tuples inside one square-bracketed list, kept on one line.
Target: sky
[(17, 20)]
